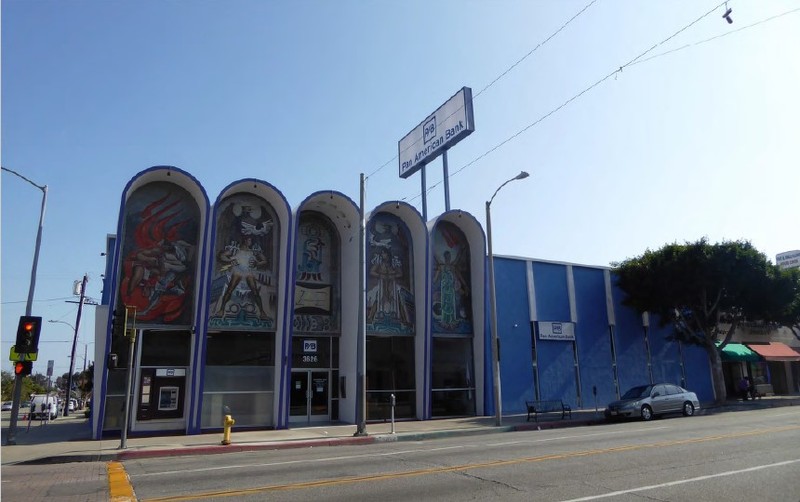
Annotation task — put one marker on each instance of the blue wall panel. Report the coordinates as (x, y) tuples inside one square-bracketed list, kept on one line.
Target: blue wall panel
[(664, 353), (555, 359), (629, 342), (552, 295), (592, 335), (698, 372), (513, 329)]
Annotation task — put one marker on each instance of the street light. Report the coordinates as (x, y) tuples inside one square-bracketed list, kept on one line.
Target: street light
[(12, 425), (498, 410)]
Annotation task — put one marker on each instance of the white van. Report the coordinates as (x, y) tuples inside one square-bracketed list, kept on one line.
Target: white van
[(43, 405)]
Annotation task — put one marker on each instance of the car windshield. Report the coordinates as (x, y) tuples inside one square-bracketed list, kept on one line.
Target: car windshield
[(639, 391)]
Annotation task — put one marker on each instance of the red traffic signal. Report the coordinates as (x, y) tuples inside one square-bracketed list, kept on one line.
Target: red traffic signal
[(28, 332), (23, 368)]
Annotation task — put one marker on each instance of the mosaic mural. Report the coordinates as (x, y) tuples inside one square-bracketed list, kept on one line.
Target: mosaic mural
[(159, 248), (316, 296), (244, 281), (451, 306), (390, 292)]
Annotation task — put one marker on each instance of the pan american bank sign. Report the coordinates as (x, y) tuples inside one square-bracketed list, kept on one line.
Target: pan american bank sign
[(556, 331), (449, 124)]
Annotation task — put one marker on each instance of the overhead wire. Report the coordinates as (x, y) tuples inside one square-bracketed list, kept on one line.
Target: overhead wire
[(636, 60), (503, 74), (695, 44)]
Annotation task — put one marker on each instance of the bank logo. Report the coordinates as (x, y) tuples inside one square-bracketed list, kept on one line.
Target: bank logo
[(429, 130), (557, 328)]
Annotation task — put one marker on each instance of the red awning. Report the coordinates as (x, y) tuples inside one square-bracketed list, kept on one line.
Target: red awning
[(775, 351)]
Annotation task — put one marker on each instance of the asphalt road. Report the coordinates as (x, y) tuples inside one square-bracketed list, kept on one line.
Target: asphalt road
[(753, 455)]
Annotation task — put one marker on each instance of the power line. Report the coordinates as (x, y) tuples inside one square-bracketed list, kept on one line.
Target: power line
[(38, 301), (573, 98), (772, 18), (506, 72)]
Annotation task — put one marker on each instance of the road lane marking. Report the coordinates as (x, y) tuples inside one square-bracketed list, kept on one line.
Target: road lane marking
[(119, 485), (390, 454), (460, 468), (683, 481)]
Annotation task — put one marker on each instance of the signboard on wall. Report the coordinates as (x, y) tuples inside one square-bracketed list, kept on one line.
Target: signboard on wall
[(557, 331), (789, 259), (449, 124)]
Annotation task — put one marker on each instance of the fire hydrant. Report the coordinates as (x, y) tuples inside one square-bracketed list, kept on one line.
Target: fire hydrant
[(227, 423)]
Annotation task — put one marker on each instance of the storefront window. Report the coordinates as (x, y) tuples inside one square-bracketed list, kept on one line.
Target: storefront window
[(390, 370), (452, 377)]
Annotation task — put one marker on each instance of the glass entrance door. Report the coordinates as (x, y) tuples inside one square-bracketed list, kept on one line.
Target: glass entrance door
[(309, 396)]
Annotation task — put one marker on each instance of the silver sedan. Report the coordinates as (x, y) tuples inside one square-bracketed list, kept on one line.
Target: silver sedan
[(647, 401)]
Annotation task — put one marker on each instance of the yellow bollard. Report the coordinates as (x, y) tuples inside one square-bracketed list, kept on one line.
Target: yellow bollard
[(227, 424)]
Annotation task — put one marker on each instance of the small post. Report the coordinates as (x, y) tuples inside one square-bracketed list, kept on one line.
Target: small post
[(128, 390), (392, 401)]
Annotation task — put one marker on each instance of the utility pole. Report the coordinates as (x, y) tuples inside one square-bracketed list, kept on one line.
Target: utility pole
[(361, 344), (74, 343)]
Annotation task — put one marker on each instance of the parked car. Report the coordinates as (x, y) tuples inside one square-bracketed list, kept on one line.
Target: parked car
[(43, 406), (7, 405), (647, 401)]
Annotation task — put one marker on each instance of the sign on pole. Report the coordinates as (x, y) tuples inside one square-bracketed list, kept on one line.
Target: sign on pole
[(449, 124)]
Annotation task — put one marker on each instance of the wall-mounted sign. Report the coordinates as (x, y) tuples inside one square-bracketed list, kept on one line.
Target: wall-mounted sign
[(557, 331), (449, 124), (309, 346)]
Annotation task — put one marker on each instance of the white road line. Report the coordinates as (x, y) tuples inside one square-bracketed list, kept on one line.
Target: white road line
[(683, 481)]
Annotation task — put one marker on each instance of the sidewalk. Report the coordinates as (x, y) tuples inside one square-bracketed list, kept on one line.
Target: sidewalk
[(67, 439)]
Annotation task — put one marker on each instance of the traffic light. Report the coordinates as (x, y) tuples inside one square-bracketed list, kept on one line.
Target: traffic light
[(23, 368), (28, 334), (118, 321)]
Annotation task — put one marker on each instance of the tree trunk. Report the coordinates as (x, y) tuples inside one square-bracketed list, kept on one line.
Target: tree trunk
[(717, 376)]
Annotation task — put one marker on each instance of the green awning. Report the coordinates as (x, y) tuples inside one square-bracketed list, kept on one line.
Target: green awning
[(732, 352)]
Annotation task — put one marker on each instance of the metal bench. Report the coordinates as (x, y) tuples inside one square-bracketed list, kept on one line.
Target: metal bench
[(537, 408)]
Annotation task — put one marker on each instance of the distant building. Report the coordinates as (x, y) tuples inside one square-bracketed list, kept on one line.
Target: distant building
[(788, 259)]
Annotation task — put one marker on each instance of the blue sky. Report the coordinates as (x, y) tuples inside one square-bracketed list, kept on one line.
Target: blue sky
[(702, 141)]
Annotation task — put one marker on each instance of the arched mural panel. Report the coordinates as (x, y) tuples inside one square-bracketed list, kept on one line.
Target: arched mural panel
[(451, 308), (317, 289), (390, 281), (244, 282), (159, 253)]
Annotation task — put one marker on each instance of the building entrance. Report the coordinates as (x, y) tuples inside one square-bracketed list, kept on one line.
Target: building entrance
[(309, 396)]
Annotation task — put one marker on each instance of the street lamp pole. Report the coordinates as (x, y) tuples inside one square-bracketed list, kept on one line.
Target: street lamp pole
[(498, 406), (11, 438)]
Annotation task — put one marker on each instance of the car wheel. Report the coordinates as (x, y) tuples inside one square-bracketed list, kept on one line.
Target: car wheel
[(647, 413), (688, 409)]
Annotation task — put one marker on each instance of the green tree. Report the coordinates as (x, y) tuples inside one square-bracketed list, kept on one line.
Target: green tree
[(29, 386), (705, 291)]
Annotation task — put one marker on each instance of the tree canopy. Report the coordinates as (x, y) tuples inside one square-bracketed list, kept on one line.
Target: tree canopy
[(706, 290)]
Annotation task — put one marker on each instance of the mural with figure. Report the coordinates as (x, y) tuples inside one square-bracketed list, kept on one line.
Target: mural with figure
[(390, 291), (159, 248), (316, 292), (244, 279), (451, 305)]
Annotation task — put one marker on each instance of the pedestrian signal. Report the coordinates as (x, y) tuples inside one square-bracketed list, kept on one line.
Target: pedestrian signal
[(23, 368), (118, 321)]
